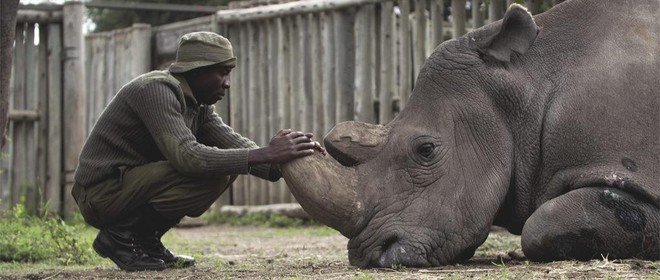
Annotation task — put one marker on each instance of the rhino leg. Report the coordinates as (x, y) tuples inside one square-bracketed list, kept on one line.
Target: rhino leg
[(592, 223)]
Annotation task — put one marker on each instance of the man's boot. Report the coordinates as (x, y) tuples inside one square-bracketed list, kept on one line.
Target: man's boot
[(150, 234), (118, 242)]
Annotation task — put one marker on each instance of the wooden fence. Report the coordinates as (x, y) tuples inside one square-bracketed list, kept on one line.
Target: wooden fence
[(305, 65), (47, 88)]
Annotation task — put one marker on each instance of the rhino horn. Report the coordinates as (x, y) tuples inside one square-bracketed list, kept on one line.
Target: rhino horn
[(326, 191), (354, 142)]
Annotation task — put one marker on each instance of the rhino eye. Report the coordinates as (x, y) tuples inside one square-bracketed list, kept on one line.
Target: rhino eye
[(426, 149)]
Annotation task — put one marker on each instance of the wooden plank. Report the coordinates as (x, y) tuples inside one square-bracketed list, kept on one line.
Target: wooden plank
[(222, 108), (42, 108), (109, 88), (139, 46), (317, 75), (254, 102), (345, 60), (477, 14), (284, 86), (24, 115), (19, 150), (235, 97), (245, 99), (29, 185), (386, 65), (74, 95), (437, 20), (495, 10), (262, 116), (274, 117), (54, 192), (329, 68), (364, 77), (35, 16), (296, 83), (289, 9), (419, 28), (406, 77), (305, 99), (458, 18)]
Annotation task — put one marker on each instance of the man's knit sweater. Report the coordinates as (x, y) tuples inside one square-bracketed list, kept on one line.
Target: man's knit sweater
[(155, 117)]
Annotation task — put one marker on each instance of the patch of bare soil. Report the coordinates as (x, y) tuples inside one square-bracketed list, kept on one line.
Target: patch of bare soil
[(224, 252)]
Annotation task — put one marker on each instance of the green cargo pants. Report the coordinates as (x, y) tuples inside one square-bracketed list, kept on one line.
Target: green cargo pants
[(170, 193)]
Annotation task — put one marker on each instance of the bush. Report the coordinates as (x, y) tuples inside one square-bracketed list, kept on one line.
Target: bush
[(27, 238)]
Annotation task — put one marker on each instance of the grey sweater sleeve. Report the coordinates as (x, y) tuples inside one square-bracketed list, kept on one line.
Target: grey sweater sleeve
[(157, 106), (216, 133)]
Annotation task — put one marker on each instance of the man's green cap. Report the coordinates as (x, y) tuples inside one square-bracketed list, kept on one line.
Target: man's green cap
[(199, 49)]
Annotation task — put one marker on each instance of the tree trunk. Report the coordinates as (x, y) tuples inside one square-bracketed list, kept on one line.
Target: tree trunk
[(8, 10)]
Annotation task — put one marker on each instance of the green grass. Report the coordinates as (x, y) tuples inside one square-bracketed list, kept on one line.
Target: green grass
[(45, 238), (256, 219)]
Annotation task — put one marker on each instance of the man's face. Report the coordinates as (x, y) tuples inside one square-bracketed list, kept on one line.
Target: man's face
[(209, 84)]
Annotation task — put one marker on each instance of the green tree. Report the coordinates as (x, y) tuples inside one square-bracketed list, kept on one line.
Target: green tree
[(107, 19)]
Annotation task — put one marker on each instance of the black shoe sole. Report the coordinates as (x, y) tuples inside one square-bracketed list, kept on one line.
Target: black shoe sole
[(103, 253)]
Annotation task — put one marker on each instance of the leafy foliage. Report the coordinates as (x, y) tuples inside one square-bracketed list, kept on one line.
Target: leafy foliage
[(109, 19), (27, 238)]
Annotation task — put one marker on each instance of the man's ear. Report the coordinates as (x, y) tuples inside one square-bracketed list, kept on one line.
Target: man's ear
[(517, 33)]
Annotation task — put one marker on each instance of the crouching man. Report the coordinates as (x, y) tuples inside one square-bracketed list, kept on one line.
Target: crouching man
[(159, 152)]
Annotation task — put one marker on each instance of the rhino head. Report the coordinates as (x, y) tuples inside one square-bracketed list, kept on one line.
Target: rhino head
[(424, 189)]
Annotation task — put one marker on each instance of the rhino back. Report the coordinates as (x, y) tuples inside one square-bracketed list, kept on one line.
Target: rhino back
[(600, 120)]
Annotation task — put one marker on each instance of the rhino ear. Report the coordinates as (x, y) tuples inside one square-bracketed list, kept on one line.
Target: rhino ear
[(517, 33), (353, 142)]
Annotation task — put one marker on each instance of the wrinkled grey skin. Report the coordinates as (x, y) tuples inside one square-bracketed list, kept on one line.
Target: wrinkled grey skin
[(547, 126)]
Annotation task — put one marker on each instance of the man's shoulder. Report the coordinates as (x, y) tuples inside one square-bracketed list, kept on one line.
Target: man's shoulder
[(157, 76)]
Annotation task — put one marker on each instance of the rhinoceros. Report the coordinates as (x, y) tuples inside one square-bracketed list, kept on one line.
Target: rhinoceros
[(545, 125)]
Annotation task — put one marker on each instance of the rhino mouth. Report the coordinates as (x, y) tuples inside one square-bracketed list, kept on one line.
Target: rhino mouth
[(390, 249), (395, 252)]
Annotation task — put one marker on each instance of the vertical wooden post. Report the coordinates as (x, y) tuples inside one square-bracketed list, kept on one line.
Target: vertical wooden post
[(364, 82), (495, 10), (437, 21), (317, 75), (477, 15), (29, 183), (222, 108), (74, 95), (305, 108), (295, 71), (458, 17), (19, 134), (420, 35), (254, 126), (283, 87), (140, 50), (54, 191), (405, 57), (42, 133), (329, 68), (345, 62), (386, 61), (236, 95), (534, 6), (274, 117), (263, 114)]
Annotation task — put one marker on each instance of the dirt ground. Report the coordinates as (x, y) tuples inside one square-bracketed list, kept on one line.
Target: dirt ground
[(225, 252)]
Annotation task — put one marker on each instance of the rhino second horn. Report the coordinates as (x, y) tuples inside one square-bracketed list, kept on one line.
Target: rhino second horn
[(325, 190)]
